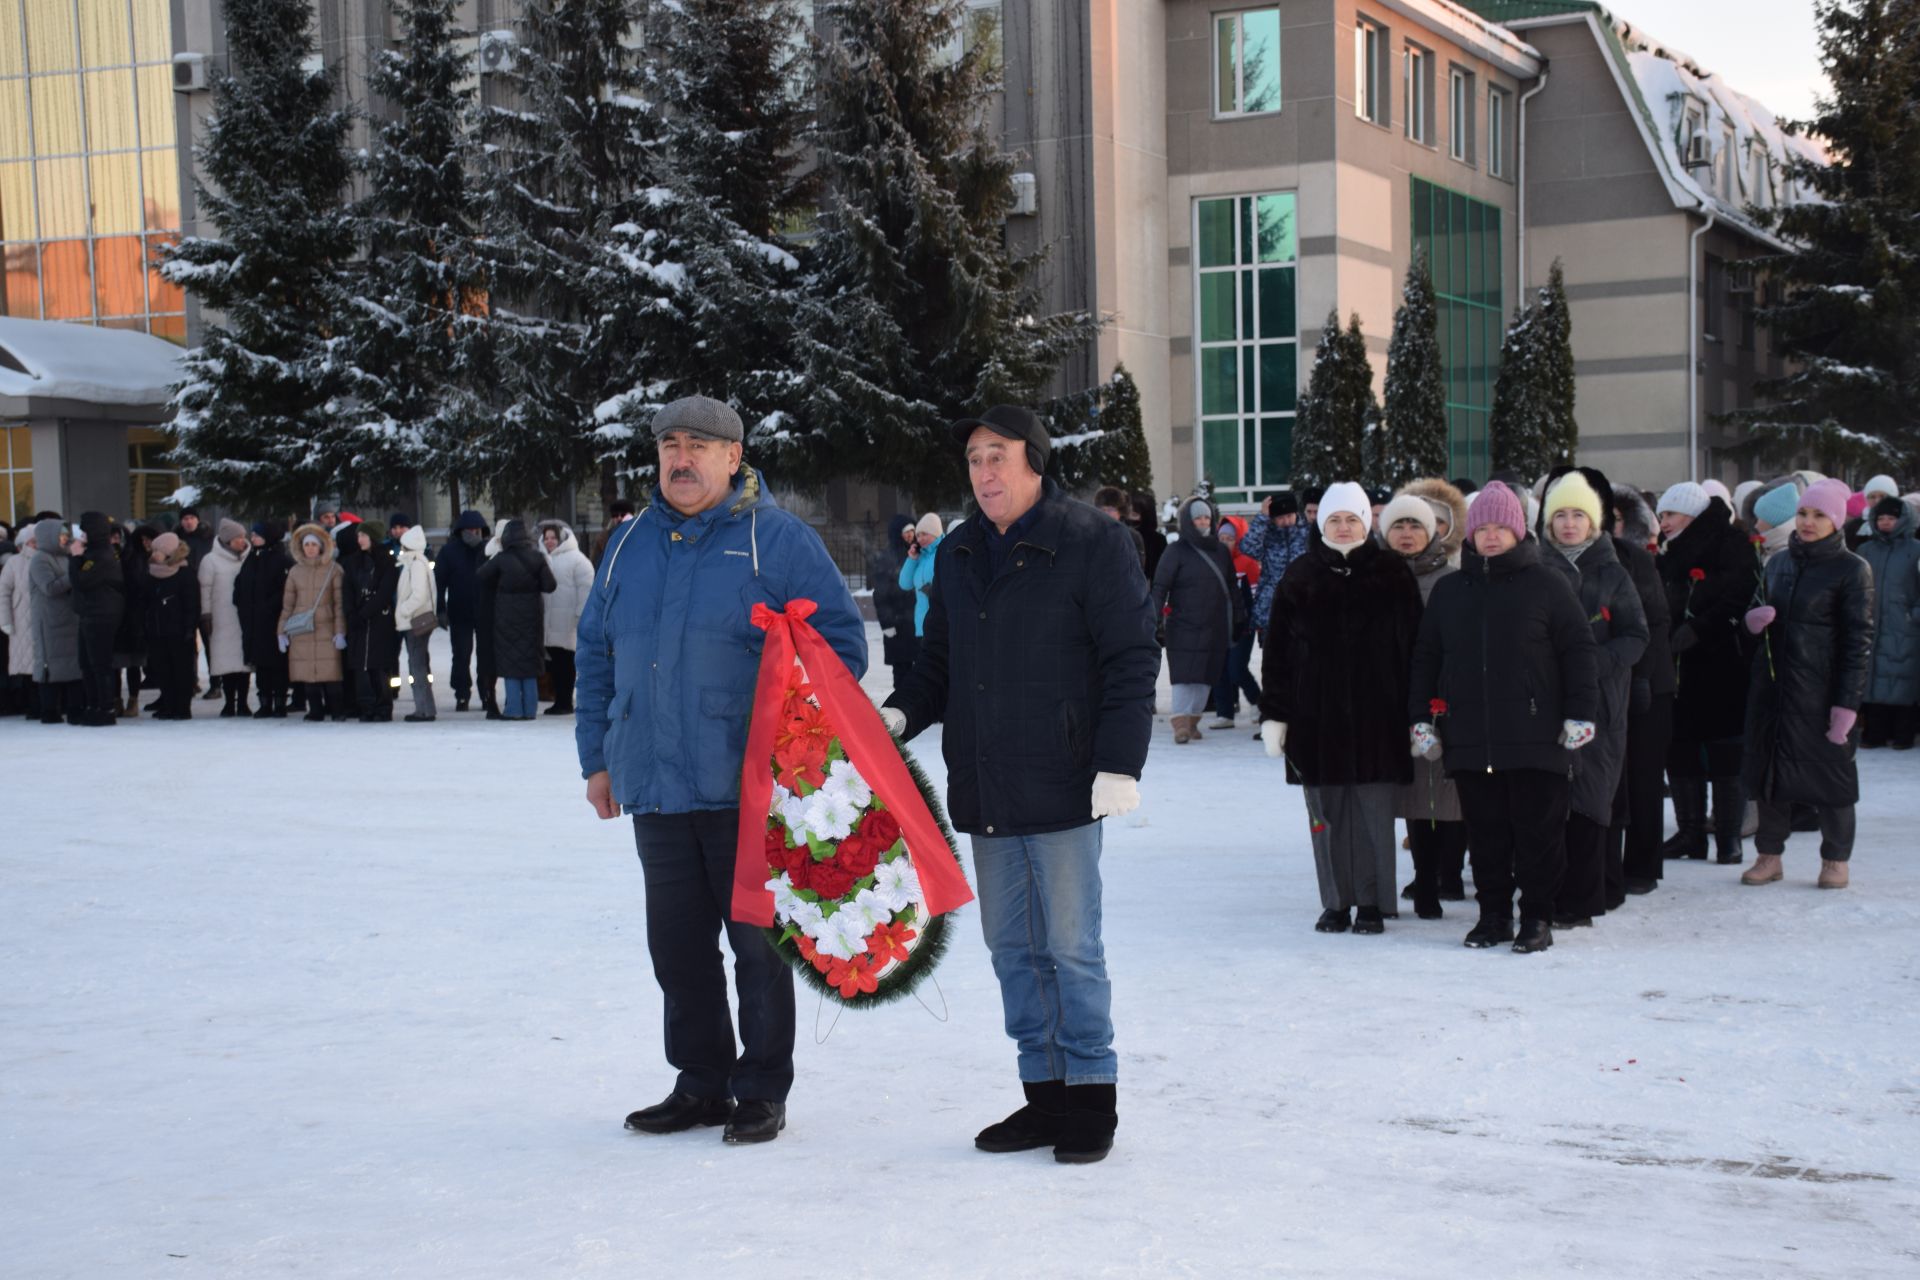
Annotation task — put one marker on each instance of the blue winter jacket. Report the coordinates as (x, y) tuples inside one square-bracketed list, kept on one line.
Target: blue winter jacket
[(916, 575), (668, 653), (1275, 549)]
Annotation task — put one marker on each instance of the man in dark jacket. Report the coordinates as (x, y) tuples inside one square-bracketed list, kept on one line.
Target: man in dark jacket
[(1039, 658), (456, 580), (99, 600)]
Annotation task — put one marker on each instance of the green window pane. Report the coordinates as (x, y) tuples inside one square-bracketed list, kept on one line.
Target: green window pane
[(1226, 58), (1249, 442), (1457, 232), (1216, 307), (1246, 229), (1260, 61), (1216, 233), (1279, 376), (1279, 235), (1277, 316), (1247, 304), (1276, 450), (1219, 380), (1220, 450), (1249, 371)]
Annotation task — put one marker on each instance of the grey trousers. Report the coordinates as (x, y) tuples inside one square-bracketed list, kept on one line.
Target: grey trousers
[(1353, 850), (417, 670), (1837, 826)]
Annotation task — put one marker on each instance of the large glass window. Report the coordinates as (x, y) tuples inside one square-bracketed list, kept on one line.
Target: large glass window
[(16, 475), (1246, 58), (1460, 114), (1246, 340), (89, 179), (1370, 71), (153, 477), (1461, 239), (1497, 132), (1419, 94)]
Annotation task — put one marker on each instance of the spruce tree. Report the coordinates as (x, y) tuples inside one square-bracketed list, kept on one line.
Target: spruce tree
[(261, 417), (1098, 437), (566, 164), (709, 282), (1330, 424), (1125, 460), (1518, 425), (916, 313), (1844, 303), (1415, 418), (1561, 433), (419, 329)]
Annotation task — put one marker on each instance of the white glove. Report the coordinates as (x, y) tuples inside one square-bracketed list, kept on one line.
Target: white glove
[(283, 644), (1114, 794), (895, 719), (1274, 734), (1425, 742), (1575, 734), (887, 632), (339, 641), (6, 631)]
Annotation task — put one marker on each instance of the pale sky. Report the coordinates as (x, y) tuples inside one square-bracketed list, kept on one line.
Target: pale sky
[(1764, 48)]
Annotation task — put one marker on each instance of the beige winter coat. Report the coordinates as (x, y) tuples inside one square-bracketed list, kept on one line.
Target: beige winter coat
[(316, 585), (219, 569)]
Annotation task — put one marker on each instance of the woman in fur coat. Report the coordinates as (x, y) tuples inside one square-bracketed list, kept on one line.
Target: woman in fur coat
[(1340, 642), (1436, 828)]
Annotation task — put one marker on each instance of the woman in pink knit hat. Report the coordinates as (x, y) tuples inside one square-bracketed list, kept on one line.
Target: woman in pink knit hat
[(1809, 681)]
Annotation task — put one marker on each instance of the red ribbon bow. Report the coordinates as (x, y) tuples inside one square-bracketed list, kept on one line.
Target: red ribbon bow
[(868, 746)]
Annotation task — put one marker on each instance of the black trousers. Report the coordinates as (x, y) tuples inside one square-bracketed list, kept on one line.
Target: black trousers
[(1439, 850), (1583, 882), (462, 636), (1836, 830), (1516, 837), (99, 680), (560, 668), (1883, 723), (687, 860), (56, 698), (172, 666), (1649, 734)]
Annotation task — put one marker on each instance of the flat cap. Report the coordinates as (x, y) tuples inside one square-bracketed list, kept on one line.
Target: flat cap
[(699, 416)]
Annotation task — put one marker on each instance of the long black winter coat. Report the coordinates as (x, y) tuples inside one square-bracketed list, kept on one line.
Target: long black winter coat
[(136, 584), (258, 592), (1200, 612), (367, 589), (1816, 657), (1506, 644), (1710, 645), (172, 615), (1043, 677), (456, 572), (1612, 605), (514, 581), (892, 604), (1335, 669), (99, 584)]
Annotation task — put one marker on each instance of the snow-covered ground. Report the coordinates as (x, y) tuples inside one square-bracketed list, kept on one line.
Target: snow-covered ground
[(341, 1000)]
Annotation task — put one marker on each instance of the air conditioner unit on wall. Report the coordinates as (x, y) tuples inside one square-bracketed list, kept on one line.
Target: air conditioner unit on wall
[(495, 52), (189, 73), (1699, 151), (1026, 196)]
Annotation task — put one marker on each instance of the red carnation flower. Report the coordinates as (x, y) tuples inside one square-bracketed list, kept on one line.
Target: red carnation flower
[(1437, 707), (1698, 575), (858, 855), (1758, 539), (1606, 613), (776, 851), (881, 828), (830, 880)]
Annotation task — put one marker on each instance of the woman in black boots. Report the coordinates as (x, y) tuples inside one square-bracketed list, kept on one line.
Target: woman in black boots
[(257, 592), (172, 604)]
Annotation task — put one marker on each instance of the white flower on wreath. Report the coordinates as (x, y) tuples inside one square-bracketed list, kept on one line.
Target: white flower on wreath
[(844, 935), (869, 908), (844, 780), (895, 884), (826, 815)]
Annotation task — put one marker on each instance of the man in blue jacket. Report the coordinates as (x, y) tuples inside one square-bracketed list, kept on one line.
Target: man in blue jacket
[(1039, 658), (667, 661)]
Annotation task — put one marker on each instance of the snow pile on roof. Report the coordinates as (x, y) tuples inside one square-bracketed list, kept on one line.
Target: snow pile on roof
[(1686, 101), (53, 360)]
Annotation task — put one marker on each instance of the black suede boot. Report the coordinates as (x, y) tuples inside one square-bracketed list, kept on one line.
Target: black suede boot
[(1690, 812), (1535, 935), (1729, 811), (1490, 933), (1035, 1125), (1086, 1133)]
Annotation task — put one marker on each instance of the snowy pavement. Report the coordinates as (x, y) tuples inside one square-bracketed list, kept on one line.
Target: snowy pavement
[(342, 1000)]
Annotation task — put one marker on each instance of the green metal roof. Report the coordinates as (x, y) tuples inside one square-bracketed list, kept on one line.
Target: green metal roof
[(1518, 10)]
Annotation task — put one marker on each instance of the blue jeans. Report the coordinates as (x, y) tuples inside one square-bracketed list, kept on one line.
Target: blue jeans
[(523, 698), (1040, 912)]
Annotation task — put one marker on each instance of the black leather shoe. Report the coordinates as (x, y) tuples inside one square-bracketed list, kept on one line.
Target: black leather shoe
[(1035, 1125), (1086, 1131), (1331, 921), (756, 1121), (1638, 885), (1428, 909), (1490, 933), (681, 1111), (1367, 920), (460, 704), (1535, 935)]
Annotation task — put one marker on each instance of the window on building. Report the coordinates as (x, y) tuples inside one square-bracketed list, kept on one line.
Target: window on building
[(1246, 59), (1724, 162), (16, 475), (979, 29), (1760, 188), (1419, 94), (1370, 71), (1497, 132), (1713, 290), (1246, 341), (1461, 240), (152, 474), (89, 179), (1460, 99)]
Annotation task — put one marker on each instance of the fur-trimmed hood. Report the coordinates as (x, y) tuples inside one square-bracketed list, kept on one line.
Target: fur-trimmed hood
[(298, 551), (1634, 519), (1441, 493), (567, 541)]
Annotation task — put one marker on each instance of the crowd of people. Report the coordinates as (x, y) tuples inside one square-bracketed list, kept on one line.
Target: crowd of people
[(329, 621)]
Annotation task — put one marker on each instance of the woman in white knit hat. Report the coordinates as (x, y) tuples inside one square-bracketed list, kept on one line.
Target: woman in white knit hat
[(916, 574)]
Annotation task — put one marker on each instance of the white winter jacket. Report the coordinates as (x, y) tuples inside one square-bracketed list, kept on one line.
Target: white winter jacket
[(573, 580), (219, 570), (16, 613), (414, 594)]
